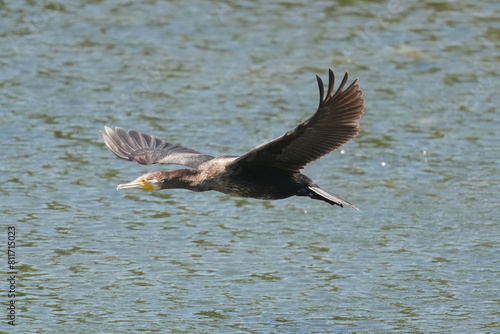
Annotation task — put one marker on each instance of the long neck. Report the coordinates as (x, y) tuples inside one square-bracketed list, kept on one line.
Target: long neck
[(181, 178)]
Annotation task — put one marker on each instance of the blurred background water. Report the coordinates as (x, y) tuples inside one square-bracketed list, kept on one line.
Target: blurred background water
[(422, 255)]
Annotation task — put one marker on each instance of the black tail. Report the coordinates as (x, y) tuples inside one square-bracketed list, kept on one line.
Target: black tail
[(318, 193)]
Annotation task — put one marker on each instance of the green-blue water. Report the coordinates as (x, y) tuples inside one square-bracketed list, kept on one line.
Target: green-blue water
[(422, 255)]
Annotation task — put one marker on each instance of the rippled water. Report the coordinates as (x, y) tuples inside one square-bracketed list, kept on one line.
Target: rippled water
[(422, 255)]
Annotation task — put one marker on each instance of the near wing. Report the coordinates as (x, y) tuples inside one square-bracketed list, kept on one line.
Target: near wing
[(146, 149), (333, 125)]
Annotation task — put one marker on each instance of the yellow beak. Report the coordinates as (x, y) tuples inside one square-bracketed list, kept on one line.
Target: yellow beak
[(137, 184)]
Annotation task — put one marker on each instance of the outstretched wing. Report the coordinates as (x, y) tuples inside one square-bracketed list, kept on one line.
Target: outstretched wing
[(147, 150), (334, 124)]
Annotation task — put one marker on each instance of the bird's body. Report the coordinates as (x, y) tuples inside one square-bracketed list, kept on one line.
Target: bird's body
[(214, 175), (269, 171)]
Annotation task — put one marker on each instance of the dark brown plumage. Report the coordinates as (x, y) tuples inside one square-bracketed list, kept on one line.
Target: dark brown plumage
[(269, 171)]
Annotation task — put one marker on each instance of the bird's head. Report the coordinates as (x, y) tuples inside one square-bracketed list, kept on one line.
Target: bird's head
[(148, 181)]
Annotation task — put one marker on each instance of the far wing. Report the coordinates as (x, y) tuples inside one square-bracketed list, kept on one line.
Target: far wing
[(146, 149)]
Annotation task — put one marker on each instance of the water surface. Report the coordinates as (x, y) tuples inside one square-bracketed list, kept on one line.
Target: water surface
[(422, 255)]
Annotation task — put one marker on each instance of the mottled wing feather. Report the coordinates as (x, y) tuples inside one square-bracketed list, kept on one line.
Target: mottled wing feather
[(334, 124), (146, 149)]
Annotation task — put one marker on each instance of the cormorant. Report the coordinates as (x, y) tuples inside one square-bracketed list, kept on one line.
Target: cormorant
[(269, 171)]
